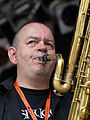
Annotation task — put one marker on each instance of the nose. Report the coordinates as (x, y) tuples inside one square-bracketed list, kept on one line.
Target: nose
[(42, 47)]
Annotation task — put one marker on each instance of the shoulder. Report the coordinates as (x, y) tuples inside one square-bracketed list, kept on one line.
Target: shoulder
[(7, 101), (6, 85)]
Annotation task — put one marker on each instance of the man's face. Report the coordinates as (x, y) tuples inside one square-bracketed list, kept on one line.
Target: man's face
[(35, 41)]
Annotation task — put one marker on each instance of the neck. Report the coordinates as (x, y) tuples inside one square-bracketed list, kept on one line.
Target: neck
[(39, 82)]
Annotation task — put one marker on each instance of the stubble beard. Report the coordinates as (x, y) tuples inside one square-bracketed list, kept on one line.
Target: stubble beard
[(43, 70)]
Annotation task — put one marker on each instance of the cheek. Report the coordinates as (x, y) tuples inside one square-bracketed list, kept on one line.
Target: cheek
[(23, 56), (52, 52)]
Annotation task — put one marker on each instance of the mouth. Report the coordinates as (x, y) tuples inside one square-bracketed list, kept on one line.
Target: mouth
[(39, 59)]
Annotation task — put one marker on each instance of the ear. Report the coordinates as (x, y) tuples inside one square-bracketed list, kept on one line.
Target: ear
[(12, 55)]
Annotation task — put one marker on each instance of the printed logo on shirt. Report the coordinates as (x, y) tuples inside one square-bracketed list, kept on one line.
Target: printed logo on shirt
[(40, 113)]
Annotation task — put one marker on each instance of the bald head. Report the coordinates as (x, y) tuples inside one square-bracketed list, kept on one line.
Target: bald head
[(31, 27)]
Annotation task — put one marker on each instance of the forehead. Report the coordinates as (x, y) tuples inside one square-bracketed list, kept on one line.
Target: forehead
[(38, 30)]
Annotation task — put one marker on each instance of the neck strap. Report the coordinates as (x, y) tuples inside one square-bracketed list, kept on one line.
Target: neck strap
[(21, 94)]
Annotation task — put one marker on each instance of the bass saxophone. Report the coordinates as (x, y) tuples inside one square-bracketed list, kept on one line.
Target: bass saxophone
[(80, 106)]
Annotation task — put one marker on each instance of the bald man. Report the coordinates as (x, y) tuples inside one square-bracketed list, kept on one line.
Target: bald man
[(29, 97)]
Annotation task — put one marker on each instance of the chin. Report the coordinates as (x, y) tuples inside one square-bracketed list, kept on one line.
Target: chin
[(43, 69), (42, 72)]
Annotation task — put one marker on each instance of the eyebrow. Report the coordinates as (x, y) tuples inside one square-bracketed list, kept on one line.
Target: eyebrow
[(46, 39)]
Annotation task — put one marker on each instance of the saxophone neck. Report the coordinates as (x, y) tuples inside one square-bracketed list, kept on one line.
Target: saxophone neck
[(57, 80)]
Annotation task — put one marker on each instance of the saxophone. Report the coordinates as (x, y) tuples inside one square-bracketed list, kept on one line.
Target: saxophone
[(80, 106)]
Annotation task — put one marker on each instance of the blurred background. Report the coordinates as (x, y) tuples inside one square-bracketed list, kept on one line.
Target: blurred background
[(59, 15)]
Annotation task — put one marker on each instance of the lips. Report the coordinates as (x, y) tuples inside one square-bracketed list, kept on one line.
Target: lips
[(37, 59)]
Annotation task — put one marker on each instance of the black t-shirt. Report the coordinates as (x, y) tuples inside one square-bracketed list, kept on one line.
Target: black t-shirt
[(37, 100)]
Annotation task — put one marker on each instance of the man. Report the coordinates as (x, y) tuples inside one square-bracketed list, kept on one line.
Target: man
[(29, 97)]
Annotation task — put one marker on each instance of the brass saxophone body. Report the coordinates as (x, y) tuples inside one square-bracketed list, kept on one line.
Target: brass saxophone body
[(80, 106)]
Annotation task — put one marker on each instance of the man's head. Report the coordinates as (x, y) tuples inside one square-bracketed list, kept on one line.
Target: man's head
[(31, 42)]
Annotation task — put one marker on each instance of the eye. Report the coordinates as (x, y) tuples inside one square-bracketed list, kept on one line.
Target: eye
[(50, 45), (31, 42)]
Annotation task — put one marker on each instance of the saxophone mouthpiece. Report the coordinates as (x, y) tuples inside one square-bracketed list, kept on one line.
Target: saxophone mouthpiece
[(46, 58)]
